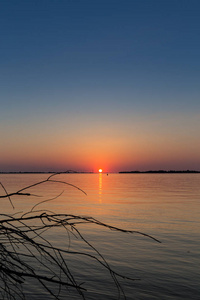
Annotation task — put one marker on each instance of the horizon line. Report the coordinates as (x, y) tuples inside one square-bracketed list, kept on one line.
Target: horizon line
[(92, 172)]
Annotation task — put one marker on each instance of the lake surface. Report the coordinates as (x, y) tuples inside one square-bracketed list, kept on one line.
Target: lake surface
[(166, 206)]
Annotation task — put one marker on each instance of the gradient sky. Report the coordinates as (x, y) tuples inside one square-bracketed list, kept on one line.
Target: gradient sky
[(86, 84)]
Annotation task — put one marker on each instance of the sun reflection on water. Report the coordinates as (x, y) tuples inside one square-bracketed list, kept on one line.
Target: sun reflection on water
[(100, 187)]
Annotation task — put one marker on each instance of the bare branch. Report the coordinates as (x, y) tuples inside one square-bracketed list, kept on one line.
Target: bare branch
[(26, 254)]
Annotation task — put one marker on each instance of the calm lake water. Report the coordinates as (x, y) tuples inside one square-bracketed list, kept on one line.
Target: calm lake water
[(166, 206)]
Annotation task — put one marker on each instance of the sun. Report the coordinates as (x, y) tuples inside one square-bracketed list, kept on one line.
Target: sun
[(100, 170)]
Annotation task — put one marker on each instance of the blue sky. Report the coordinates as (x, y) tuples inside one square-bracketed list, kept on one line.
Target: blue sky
[(98, 74)]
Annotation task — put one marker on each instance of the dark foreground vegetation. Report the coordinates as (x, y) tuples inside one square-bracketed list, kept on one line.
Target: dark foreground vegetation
[(26, 255)]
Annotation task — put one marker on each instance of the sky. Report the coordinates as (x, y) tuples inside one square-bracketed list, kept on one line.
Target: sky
[(89, 84)]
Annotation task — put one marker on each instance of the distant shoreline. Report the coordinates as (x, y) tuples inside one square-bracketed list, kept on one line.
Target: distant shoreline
[(43, 172), (159, 172), (120, 172)]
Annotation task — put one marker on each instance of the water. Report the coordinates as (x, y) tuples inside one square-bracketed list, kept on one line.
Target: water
[(166, 206)]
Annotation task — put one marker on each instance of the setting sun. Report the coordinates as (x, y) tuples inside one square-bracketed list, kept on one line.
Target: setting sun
[(100, 170)]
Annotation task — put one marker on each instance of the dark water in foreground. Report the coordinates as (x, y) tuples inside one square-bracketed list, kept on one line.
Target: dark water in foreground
[(166, 206)]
